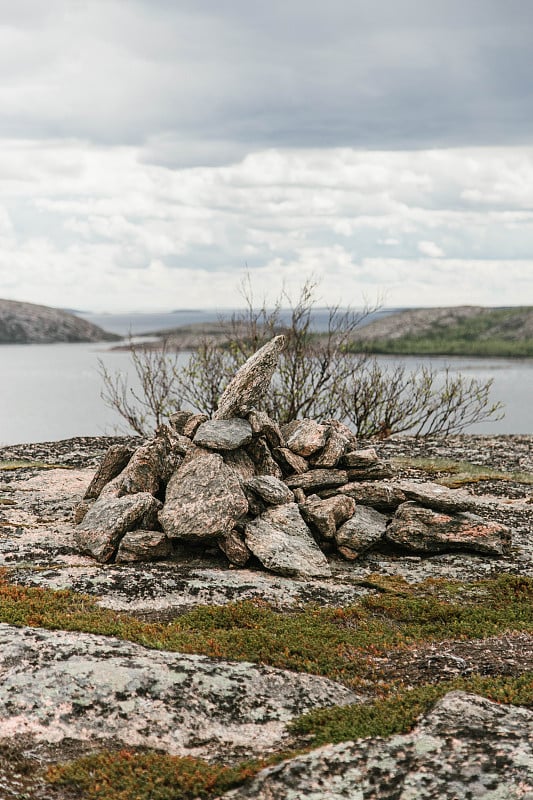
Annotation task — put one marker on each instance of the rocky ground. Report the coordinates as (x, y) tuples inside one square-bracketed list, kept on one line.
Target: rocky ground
[(64, 693)]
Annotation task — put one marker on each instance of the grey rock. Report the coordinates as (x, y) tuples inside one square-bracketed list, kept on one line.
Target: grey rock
[(270, 489), (317, 479), (112, 464), (178, 420), (333, 450), (263, 425), (433, 495), (307, 437), (261, 455), (109, 518), (360, 458), (146, 469), (363, 530), (204, 499), (234, 548), (327, 515), (241, 463), (283, 543), (60, 685), (372, 472), (249, 385), (289, 461), (423, 530), (191, 425), (467, 747), (81, 509), (223, 434), (383, 496), (142, 545)]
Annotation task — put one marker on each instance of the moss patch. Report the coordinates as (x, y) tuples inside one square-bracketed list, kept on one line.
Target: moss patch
[(11, 464), (458, 473)]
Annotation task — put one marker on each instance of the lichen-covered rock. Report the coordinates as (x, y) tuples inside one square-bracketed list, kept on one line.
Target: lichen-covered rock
[(371, 472), (261, 455), (270, 489), (204, 500), (423, 530), (317, 479), (437, 497), (178, 420), (327, 515), (361, 458), (60, 685), (191, 425), (382, 496), (234, 548), (142, 545), (109, 518), (112, 464), (290, 462), (263, 425), (467, 747), (145, 470), (223, 434), (283, 543), (307, 437), (363, 530), (249, 385), (333, 450), (241, 463)]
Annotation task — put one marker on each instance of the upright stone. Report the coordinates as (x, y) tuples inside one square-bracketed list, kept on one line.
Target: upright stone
[(249, 384)]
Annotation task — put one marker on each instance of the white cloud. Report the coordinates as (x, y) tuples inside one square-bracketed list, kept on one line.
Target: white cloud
[(430, 249)]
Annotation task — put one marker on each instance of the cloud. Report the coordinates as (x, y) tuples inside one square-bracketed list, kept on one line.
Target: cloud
[(98, 227)]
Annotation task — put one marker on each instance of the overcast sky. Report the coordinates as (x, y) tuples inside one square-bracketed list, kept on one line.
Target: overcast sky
[(153, 151)]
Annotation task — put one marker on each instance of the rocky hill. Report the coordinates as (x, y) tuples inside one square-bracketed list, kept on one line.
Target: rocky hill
[(27, 323), (456, 330)]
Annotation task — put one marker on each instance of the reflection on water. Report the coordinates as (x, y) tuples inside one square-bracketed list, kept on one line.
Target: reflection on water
[(53, 391)]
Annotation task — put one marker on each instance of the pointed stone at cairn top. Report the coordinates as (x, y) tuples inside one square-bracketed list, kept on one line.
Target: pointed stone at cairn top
[(250, 383)]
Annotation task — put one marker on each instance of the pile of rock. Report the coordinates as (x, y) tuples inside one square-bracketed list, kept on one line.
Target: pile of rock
[(284, 495)]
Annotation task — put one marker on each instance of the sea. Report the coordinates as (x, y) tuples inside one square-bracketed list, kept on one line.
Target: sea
[(50, 392)]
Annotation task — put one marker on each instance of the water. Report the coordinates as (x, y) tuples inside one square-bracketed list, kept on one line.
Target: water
[(51, 392)]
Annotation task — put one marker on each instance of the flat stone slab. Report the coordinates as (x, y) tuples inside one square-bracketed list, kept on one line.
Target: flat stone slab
[(282, 542), (317, 479), (423, 530), (306, 437), (467, 747), (437, 497), (363, 530), (223, 434), (59, 685), (270, 489)]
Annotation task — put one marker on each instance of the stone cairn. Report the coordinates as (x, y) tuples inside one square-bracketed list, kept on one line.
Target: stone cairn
[(285, 495)]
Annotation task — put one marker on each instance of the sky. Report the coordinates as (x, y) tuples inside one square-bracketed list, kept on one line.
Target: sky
[(155, 152)]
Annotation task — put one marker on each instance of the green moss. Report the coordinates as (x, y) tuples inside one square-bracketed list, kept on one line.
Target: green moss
[(398, 714), (126, 775), (324, 641), (11, 464)]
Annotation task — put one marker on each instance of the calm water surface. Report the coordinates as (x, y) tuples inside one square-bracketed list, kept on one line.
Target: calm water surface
[(52, 392)]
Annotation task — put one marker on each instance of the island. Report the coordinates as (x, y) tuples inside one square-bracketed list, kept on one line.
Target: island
[(28, 323)]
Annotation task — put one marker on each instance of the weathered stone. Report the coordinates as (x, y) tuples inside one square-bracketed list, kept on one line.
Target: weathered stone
[(114, 461), (260, 453), (283, 543), (241, 463), (317, 479), (308, 437), (81, 509), (466, 747), (62, 685), (299, 496), (191, 425), (234, 548), (382, 496), (270, 489), (204, 500), (333, 450), (327, 515), (290, 462), (360, 458), (377, 471), (262, 425), (178, 420), (437, 497), (142, 545), (363, 530), (250, 383), (223, 434), (344, 431), (146, 469), (423, 530), (108, 519)]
